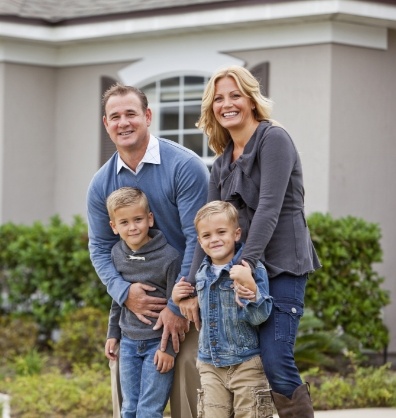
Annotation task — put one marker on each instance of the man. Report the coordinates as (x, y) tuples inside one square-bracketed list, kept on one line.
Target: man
[(175, 181)]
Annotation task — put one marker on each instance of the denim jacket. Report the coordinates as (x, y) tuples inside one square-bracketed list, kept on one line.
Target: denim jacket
[(228, 333)]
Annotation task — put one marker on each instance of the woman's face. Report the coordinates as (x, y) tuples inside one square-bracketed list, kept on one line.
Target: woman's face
[(231, 108)]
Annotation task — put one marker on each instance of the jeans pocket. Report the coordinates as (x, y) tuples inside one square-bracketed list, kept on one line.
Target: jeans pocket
[(287, 315)]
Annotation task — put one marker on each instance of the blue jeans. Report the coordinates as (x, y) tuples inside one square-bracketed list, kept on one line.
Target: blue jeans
[(145, 391), (278, 333)]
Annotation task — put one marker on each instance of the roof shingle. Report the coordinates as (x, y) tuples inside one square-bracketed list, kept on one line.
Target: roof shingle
[(60, 10)]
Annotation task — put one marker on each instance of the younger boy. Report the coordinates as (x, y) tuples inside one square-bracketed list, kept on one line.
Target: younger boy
[(232, 376), (142, 255)]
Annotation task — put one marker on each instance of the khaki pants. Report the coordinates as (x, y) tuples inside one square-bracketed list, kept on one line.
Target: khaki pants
[(183, 399), (115, 385), (240, 391)]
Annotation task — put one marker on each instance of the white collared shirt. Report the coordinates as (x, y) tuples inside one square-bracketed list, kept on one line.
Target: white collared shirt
[(152, 156)]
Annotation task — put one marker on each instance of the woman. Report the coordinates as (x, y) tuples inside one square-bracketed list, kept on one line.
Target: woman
[(258, 170)]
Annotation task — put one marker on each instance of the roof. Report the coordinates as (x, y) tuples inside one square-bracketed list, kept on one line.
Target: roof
[(66, 22), (56, 11), (61, 12)]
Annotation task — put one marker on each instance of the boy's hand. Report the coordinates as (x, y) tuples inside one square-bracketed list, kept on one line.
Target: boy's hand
[(242, 275), (164, 361), (110, 348), (244, 285), (181, 290)]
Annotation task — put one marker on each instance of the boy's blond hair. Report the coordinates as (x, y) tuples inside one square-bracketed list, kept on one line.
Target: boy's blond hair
[(217, 207), (126, 196)]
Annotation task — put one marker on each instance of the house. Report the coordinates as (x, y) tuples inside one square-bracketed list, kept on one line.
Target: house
[(329, 66)]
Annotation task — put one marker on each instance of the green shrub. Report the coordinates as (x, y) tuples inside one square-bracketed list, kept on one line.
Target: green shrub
[(84, 394), (18, 336), (360, 388), (82, 338), (346, 292), (46, 271), (318, 347), (29, 364)]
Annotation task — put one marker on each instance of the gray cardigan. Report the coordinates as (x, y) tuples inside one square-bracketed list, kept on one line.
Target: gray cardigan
[(265, 184), (157, 264)]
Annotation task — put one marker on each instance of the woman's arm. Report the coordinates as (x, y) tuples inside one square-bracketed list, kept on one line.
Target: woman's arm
[(277, 157)]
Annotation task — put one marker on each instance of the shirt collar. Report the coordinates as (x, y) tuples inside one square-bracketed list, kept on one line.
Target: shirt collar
[(151, 156)]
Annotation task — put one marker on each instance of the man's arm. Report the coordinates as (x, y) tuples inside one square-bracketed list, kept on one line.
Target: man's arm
[(191, 190)]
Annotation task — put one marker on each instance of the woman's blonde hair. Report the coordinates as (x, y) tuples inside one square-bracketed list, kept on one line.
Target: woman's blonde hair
[(249, 87)]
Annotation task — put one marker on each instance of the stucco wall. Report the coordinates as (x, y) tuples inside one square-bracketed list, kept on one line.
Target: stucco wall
[(28, 166), (78, 116), (299, 85), (363, 148)]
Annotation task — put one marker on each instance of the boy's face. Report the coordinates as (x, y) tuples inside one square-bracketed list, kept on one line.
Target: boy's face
[(132, 223), (217, 236)]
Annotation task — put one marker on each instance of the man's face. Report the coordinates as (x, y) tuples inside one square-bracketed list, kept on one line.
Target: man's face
[(126, 122)]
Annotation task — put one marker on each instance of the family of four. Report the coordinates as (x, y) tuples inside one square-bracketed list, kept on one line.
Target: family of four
[(207, 272)]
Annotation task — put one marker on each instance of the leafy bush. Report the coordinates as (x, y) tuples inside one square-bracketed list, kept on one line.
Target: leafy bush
[(82, 338), (29, 364), (346, 292), (84, 394), (18, 336), (318, 347), (46, 271), (360, 388)]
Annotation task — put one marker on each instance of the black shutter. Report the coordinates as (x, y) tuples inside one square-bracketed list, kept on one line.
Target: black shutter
[(107, 147)]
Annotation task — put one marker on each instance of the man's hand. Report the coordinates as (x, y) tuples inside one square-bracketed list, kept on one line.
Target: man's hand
[(173, 325), (110, 348), (190, 310), (142, 304)]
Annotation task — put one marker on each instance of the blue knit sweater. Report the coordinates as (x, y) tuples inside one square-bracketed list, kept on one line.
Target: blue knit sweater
[(175, 189)]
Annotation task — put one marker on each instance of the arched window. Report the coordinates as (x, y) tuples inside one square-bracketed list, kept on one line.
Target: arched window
[(176, 106)]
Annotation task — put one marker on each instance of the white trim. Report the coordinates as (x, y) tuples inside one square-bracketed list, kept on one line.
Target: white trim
[(297, 11), (179, 61), (204, 48)]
